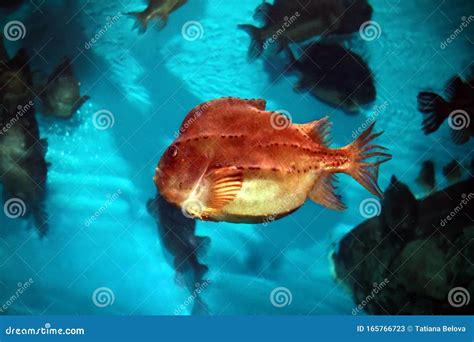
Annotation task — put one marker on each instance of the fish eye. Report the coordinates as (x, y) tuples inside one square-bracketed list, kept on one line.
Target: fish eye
[(173, 151)]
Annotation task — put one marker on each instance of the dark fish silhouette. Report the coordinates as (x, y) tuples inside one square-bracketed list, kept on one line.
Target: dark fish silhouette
[(159, 9), (16, 83), (23, 169), (11, 4), (178, 236), (426, 178), (453, 171), (61, 95), (296, 21), (458, 106), (399, 208), (335, 75), (3, 51)]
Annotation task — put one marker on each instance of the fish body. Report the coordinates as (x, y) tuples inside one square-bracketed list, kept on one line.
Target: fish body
[(3, 51), (336, 76), (15, 81), (61, 95), (453, 172), (156, 9), (290, 21), (24, 171), (237, 162), (400, 209), (177, 234), (457, 107), (23, 168)]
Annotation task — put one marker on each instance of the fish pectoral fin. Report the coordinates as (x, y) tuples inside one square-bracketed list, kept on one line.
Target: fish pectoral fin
[(323, 192), (224, 185), (318, 131)]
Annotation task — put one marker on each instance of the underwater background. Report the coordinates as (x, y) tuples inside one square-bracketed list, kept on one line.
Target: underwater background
[(145, 85)]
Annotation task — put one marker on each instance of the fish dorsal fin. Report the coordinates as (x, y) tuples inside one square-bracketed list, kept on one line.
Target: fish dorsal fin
[(259, 104), (323, 192), (318, 131), (453, 86), (262, 12)]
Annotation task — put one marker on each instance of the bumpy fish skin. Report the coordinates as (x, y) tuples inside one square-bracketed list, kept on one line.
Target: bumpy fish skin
[(234, 161)]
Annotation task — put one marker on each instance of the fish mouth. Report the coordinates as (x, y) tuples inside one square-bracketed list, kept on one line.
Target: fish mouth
[(158, 175)]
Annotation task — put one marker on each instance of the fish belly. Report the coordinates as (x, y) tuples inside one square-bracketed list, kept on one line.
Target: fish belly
[(267, 195)]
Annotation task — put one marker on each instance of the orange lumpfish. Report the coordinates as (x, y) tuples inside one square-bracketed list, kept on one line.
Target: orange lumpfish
[(234, 161)]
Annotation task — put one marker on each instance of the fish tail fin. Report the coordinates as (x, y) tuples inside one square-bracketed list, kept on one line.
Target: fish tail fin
[(141, 23), (200, 308), (433, 107), (257, 41), (363, 171), (460, 136)]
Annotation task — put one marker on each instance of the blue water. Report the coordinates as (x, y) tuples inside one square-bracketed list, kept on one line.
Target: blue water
[(148, 83)]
